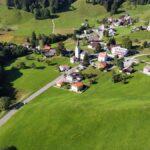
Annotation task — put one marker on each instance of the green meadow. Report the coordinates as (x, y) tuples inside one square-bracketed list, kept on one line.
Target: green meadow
[(106, 117), (28, 81), (23, 23)]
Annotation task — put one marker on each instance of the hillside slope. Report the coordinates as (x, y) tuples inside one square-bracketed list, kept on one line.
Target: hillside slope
[(23, 23), (105, 117)]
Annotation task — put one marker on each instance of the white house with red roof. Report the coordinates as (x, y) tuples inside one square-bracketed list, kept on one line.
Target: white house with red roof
[(102, 57), (76, 87)]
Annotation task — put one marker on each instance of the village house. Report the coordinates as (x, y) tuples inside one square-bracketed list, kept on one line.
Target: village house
[(111, 32), (148, 28), (94, 38), (102, 28), (46, 48), (140, 28), (77, 87), (47, 51), (101, 65), (119, 51), (93, 45), (60, 84), (102, 57), (82, 55), (128, 66), (146, 70), (73, 60), (64, 68), (74, 77)]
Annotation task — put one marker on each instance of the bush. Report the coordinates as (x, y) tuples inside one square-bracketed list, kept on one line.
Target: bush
[(48, 62), (29, 57), (4, 103), (21, 65), (9, 148), (33, 65)]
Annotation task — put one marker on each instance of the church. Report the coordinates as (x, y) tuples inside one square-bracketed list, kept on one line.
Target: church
[(77, 50)]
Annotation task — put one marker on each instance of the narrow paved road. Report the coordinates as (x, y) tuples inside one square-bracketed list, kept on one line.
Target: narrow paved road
[(33, 96), (139, 55)]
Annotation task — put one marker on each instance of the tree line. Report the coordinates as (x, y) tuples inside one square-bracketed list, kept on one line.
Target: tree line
[(8, 52), (42, 39), (42, 9), (113, 5)]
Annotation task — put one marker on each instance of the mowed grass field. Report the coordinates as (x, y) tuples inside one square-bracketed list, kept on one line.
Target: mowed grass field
[(28, 81), (106, 117)]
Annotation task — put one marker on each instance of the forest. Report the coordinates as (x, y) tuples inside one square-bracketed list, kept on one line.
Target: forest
[(42, 9), (8, 53), (113, 5)]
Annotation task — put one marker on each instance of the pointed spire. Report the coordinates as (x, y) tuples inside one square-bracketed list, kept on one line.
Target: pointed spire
[(78, 43), (77, 50)]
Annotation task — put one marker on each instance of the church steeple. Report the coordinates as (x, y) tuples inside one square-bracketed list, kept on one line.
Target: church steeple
[(77, 50)]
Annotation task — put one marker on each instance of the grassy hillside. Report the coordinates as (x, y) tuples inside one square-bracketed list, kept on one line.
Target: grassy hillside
[(28, 81), (106, 117), (24, 23)]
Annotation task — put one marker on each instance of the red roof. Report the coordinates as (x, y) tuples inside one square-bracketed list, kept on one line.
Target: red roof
[(78, 84), (102, 65), (102, 55), (46, 47)]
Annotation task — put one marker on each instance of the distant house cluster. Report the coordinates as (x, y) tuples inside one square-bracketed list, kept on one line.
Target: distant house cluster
[(141, 28), (124, 20), (72, 82)]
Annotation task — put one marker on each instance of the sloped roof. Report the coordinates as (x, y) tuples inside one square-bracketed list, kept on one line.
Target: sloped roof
[(78, 84)]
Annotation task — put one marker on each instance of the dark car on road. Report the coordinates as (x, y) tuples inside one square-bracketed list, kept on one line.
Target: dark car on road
[(19, 105)]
